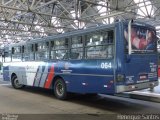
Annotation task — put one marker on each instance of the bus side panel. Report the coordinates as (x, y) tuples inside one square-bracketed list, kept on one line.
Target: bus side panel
[(19, 70), (25, 71), (48, 75), (87, 76), (89, 84), (36, 73), (44, 75), (29, 73), (39, 74)]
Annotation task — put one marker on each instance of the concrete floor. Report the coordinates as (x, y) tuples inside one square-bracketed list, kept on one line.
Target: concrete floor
[(36, 103), (40, 101)]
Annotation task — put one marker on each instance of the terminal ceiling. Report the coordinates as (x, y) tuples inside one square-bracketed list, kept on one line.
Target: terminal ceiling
[(22, 20)]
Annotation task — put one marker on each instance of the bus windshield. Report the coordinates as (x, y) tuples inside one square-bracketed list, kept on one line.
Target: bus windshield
[(143, 39)]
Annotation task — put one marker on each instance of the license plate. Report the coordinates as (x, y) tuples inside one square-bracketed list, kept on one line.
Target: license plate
[(143, 77)]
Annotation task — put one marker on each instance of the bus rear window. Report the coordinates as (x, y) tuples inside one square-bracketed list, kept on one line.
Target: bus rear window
[(143, 39)]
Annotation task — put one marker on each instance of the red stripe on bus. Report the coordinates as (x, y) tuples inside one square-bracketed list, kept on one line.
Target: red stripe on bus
[(50, 77)]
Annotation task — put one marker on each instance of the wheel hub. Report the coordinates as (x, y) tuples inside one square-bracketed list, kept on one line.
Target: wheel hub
[(59, 89)]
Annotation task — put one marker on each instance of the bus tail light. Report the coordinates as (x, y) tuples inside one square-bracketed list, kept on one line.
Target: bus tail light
[(120, 78)]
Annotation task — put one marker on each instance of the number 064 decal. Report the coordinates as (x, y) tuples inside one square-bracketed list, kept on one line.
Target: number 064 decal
[(106, 65)]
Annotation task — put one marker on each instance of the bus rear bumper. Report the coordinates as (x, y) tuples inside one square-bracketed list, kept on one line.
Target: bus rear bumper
[(124, 88)]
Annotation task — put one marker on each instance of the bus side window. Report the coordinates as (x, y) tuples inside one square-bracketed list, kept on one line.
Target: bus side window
[(76, 47), (16, 54), (25, 53), (99, 45), (30, 48), (42, 51), (6, 55), (108, 37), (94, 46), (108, 40), (52, 50), (59, 49)]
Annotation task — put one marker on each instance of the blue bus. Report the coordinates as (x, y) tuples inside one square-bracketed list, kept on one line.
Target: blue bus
[(107, 59)]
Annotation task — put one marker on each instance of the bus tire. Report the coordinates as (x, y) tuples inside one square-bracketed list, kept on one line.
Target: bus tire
[(15, 83), (60, 90)]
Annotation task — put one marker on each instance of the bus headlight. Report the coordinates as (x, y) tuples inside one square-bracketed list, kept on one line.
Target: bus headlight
[(120, 78)]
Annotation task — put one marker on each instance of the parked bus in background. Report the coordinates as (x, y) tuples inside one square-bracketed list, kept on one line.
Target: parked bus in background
[(108, 59)]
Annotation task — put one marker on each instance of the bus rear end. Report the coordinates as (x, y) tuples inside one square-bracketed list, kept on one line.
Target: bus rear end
[(140, 60)]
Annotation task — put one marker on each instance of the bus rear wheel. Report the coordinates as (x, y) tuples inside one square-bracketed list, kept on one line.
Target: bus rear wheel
[(15, 83), (60, 90)]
